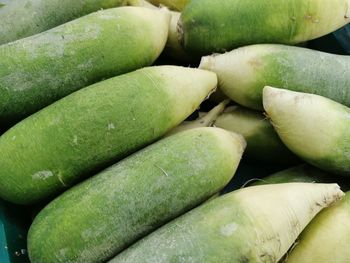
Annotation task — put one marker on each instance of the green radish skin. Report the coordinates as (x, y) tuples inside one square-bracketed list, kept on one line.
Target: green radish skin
[(253, 224), (244, 72), (208, 26), (263, 143), (203, 121), (303, 173), (177, 5), (326, 238), (38, 70), (103, 215), (315, 128), (95, 127), (20, 19)]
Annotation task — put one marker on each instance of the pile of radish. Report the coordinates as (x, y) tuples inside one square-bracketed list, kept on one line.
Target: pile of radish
[(101, 124)]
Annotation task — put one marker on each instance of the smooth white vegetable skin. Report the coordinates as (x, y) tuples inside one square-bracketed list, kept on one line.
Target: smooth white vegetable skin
[(315, 128), (326, 237)]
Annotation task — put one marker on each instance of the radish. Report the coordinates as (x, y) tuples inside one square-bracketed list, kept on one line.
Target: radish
[(315, 128)]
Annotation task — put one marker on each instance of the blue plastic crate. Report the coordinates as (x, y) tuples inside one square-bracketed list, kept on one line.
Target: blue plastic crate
[(13, 231), (343, 38)]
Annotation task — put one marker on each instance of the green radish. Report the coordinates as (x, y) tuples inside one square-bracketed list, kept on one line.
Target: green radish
[(315, 128), (95, 127), (326, 238), (103, 215), (303, 173), (263, 143), (244, 72), (208, 26), (21, 19), (38, 70), (253, 224), (206, 120), (177, 5)]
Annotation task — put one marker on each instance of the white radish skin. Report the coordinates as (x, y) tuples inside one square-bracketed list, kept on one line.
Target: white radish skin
[(245, 71), (326, 237), (254, 224), (315, 128)]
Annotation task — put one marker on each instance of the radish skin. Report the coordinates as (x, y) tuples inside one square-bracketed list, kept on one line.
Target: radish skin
[(263, 143), (103, 215), (244, 72), (253, 224), (39, 70), (95, 127), (326, 238), (23, 18), (315, 128), (303, 173), (208, 26)]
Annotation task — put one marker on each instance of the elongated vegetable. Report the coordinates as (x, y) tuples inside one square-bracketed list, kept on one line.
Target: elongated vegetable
[(244, 72), (98, 218), (326, 238), (41, 69), (204, 121), (263, 143), (208, 26), (254, 224), (177, 5), (315, 128), (303, 173), (95, 127), (21, 19)]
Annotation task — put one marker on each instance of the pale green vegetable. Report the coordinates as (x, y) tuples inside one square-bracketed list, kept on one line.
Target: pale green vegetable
[(315, 128), (98, 218), (208, 26), (95, 127), (38, 70), (253, 224), (327, 238), (244, 72), (303, 173), (263, 143), (23, 18)]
